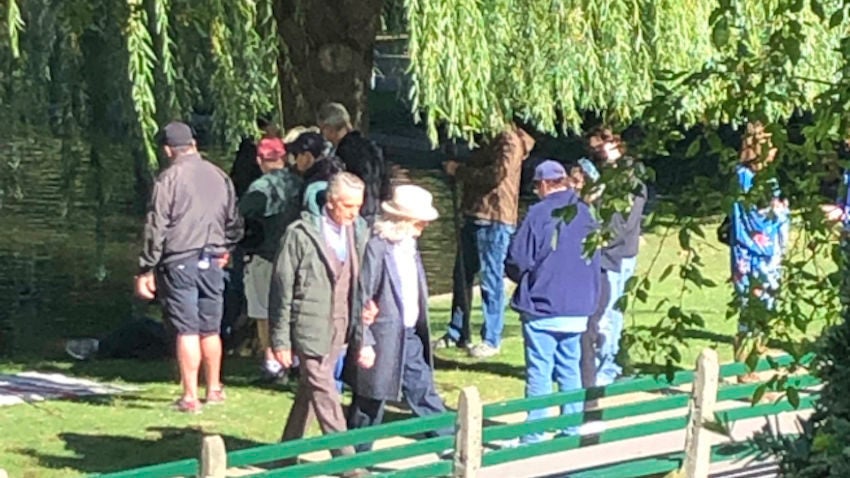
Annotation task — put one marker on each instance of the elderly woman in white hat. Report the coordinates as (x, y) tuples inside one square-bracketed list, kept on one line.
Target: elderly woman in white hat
[(390, 354)]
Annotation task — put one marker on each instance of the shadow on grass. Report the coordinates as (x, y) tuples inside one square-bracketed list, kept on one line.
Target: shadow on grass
[(501, 369), (235, 370), (730, 340), (98, 453)]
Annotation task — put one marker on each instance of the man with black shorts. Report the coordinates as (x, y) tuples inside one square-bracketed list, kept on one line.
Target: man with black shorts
[(190, 226)]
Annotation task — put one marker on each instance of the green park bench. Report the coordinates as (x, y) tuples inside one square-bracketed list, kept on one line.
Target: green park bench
[(478, 428)]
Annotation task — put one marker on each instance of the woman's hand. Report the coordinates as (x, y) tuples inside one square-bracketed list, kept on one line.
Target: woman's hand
[(369, 313), (366, 358)]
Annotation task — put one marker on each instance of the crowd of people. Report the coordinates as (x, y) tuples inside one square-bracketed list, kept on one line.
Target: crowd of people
[(335, 285)]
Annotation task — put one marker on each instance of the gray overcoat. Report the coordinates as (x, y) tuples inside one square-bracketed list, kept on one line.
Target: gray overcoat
[(379, 281)]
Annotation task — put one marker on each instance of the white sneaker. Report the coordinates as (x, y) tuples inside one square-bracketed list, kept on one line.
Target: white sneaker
[(483, 350), (511, 443), (82, 349), (592, 428)]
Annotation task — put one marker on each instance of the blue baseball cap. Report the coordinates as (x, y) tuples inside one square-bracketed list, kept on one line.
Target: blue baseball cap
[(549, 170)]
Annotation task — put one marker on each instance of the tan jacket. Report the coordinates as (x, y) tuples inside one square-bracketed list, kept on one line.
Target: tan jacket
[(492, 175)]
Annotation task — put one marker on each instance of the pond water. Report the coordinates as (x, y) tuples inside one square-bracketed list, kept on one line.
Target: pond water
[(67, 268)]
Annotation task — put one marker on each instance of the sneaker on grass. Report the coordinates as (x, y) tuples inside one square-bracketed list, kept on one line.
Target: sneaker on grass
[(82, 349), (592, 428), (446, 342), (483, 350)]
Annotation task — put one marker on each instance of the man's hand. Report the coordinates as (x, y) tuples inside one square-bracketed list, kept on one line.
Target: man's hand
[(450, 167), (284, 357), (146, 285), (370, 312), (221, 261), (366, 358)]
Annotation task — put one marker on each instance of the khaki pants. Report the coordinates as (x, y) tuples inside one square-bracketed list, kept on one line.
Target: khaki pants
[(263, 338), (317, 393)]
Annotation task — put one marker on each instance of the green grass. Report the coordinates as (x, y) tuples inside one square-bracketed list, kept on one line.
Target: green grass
[(67, 438)]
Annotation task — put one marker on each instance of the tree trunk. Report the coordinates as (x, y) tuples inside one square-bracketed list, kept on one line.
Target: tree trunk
[(326, 55)]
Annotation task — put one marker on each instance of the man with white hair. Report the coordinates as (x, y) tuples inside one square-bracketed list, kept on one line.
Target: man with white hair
[(361, 156), (312, 297), (392, 338)]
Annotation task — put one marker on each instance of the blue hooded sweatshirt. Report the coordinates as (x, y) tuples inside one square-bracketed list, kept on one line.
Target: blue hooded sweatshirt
[(553, 276)]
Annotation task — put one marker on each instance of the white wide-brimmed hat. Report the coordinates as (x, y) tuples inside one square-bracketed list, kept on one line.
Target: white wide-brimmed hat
[(411, 202)]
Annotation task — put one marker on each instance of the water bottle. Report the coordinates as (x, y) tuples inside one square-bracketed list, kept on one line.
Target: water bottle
[(205, 259)]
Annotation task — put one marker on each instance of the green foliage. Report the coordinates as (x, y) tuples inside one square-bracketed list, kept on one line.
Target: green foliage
[(179, 57), (140, 67), (477, 64), (821, 448), (14, 24), (244, 82)]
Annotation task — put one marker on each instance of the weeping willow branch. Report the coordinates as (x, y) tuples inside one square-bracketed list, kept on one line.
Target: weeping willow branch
[(166, 46), (14, 24), (141, 71), (244, 81), (475, 65)]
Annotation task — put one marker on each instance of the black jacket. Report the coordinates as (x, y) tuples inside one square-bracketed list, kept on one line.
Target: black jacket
[(243, 172), (365, 159)]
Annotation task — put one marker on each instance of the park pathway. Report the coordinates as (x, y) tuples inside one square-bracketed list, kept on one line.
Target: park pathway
[(558, 465)]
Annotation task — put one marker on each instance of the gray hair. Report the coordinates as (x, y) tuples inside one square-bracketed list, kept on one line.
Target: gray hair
[(344, 181), (334, 115), (394, 228)]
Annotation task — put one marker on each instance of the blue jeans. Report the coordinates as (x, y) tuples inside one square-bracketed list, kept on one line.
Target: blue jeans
[(611, 324), (483, 248), (550, 355)]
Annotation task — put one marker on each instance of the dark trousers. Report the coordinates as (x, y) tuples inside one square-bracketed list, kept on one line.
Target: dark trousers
[(417, 387), (234, 296), (482, 251), (317, 393), (590, 339)]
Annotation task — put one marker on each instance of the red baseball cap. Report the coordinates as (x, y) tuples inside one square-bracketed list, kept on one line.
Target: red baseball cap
[(271, 149)]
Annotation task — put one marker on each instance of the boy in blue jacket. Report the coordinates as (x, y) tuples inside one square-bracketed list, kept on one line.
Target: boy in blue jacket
[(557, 286)]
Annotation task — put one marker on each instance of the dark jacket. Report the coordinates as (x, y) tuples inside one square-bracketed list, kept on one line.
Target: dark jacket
[(193, 206), (491, 177), (272, 202), (625, 239), (323, 169), (243, 172), (365, 159), (553, 277), (379, 279), (245, 169), (301, 294)]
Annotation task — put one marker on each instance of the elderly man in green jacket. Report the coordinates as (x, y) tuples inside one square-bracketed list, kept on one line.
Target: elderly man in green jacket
[(313, 296)]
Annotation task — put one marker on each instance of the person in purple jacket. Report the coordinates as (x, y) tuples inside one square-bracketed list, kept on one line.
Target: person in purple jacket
[(557, 287)]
